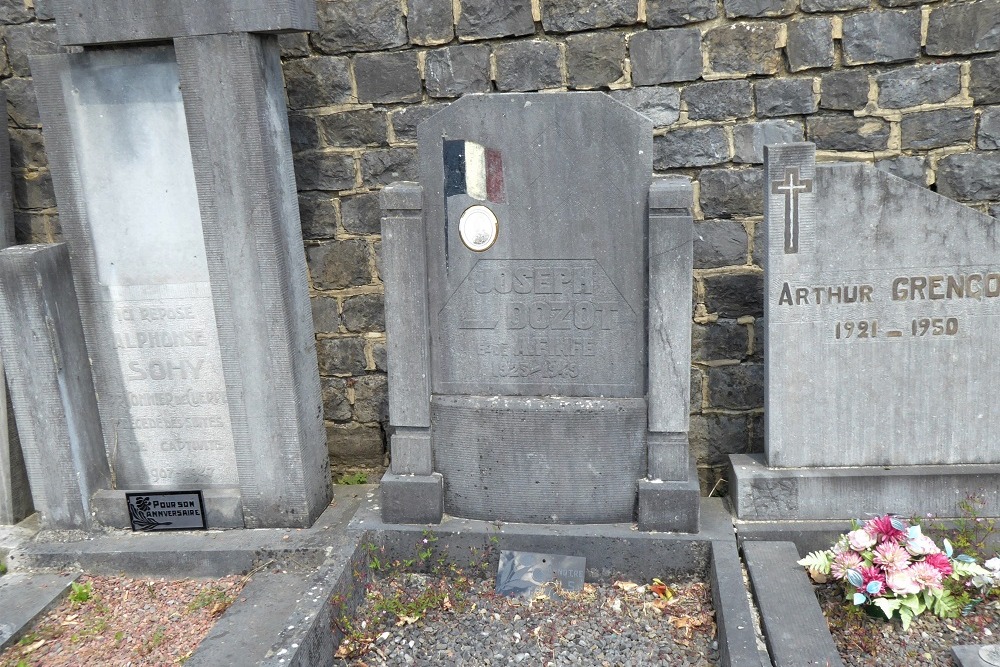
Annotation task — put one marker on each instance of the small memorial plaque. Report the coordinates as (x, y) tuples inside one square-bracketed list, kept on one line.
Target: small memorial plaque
[(478, 228), (990, 654), (524, 572), (166, 510)]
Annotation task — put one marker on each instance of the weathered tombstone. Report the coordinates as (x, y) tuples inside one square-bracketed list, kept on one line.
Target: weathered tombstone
[(524, 383), (882, 311), (15, 493), (51, 384), (173, 175)]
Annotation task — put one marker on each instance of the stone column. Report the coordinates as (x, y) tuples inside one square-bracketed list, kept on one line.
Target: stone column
[(669, 497), (15, 494), (237, 121), (411, 492)]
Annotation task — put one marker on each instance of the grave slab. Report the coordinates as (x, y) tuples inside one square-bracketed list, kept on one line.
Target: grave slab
[(51, 384), (968, 655), (795, 628), (25, 598), (89, 22)]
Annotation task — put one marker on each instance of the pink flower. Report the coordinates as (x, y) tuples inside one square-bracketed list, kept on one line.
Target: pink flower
[(869, 574), (861, 539), (891, 556), (901, 582), (939, 562), (926, 576), (883, 530), (844, 561)]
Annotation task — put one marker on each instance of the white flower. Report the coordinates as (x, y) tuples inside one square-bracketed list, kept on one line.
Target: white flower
[(860, 539), (921, 545), (993, 564)]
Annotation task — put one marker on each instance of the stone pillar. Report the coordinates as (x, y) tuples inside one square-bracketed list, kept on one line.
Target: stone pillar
[(51, 385), (237, 121), (15, 494), (411, 492), (669, 497)]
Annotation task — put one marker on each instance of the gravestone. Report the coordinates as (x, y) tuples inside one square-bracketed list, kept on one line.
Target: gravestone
[(173, 176), (882, 310), (15, 493), (51, 385), (524, 383)]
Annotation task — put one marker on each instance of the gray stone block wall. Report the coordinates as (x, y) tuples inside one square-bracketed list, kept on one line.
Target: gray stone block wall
[(868, 80)]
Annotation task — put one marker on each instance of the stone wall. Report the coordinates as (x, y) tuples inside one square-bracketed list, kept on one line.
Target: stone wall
[(905, 84)]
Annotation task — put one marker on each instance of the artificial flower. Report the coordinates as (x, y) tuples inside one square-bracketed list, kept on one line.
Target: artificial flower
[(861, 539)]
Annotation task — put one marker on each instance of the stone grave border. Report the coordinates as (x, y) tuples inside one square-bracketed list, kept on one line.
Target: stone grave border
[(312, 576)]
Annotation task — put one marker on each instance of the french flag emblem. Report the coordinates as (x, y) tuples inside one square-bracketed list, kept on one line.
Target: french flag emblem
[(474, 170)]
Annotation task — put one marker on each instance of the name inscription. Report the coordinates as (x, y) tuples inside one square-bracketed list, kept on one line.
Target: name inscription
[(957, 287), (171, 410), (544, 321)]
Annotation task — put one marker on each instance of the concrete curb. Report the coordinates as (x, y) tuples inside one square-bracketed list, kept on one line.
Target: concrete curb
[(796, 631), (611, 551), (311, 578), (190, 554), (25, 598)]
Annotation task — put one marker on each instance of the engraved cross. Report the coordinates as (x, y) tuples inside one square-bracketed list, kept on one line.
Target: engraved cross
[(791, 187)]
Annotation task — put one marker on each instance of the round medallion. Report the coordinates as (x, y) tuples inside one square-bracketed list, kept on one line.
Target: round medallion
[(478, 228), (990, 654)]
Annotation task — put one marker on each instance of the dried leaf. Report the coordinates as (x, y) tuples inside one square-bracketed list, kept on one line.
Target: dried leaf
[(407, 620), (31, 647)]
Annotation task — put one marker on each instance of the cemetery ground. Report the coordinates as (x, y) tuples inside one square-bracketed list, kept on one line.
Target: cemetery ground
[(354, 591)]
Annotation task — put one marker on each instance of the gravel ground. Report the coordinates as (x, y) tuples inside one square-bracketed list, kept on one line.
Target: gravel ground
[(864, 641), (421, 620), (125, 622)]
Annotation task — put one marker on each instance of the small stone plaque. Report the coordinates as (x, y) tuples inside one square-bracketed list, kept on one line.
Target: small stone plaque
[(990, 654), (524, 572), (151, 511)]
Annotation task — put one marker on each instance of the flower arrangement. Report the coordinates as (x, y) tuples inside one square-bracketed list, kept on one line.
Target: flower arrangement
[(889, 565)]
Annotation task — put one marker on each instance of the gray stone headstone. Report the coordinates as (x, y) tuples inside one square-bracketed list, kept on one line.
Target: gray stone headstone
[(882, 305), (81, 22), (182, 221), (51, 385), (117, 140), (545, 247)]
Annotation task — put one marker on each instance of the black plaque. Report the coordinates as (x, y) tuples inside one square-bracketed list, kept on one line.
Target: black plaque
[(524, 572), (151, 511)]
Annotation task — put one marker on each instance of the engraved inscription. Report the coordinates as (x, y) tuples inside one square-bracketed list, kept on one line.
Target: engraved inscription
[(539, 322), (898, 291), (171, 412)]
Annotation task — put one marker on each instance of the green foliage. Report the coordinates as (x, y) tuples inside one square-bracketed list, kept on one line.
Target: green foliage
[(818, 563), (353, 479), (80, 593), (210, 597), (3, 568), (29, 638)]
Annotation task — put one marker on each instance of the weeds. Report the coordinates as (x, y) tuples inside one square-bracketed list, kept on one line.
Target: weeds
[(353, 479), (216, 599), (428, 582), (80, 593)]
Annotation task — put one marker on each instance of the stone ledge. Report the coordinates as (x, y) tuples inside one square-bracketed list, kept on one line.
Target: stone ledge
[(760, 493)]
